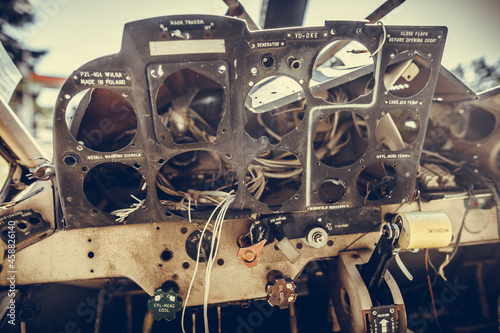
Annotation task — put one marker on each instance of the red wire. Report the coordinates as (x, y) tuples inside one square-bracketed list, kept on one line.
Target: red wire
[(430, 289)]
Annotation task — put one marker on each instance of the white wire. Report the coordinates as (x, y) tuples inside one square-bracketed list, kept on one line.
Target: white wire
[(382, 41), (123, 214), (198, 260), (213, 254), (189, 209)]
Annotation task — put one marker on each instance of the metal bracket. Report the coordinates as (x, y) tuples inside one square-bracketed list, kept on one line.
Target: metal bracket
[(352, 301)]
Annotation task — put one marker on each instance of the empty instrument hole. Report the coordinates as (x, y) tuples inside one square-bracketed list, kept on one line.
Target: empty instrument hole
[(331, 190), (113, 186), (102, 119), (341, 139), (408, 77), (166, 255), (346, 75), (397, 129), (377, 181), (274, 177), (202, 174), (191, 104), (274, 107)]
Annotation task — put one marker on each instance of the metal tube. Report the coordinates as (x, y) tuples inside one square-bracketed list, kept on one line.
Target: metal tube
[(236, 9), (100, 308), (17, 138), (219, 319), (293, 318), (147, 326), (128, 302), (377, 15)]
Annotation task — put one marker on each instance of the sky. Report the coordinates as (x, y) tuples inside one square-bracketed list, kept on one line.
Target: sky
[(77, 31)]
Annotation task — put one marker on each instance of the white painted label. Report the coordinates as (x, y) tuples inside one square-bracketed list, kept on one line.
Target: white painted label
[(187, 47)]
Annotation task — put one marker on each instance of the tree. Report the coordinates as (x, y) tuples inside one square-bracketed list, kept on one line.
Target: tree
[(479, 75), (16, 13)]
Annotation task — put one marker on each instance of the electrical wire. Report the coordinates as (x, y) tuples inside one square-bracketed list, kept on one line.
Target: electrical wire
[(430, 289), (436, 274), (492, 185), (123, 214), (445, 159), (382, 42), (268, 130), (230, 198), (450, 256), (213, 253), (363, 235)]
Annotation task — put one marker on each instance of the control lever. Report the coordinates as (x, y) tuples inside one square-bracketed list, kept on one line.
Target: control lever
[(408, 231), (284, 244), (373, 272), (365, 296)]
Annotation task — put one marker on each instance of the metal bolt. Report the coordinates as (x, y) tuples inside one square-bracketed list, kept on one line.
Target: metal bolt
[(318, 238), (222, 69), (249, 255), (254, 70)]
